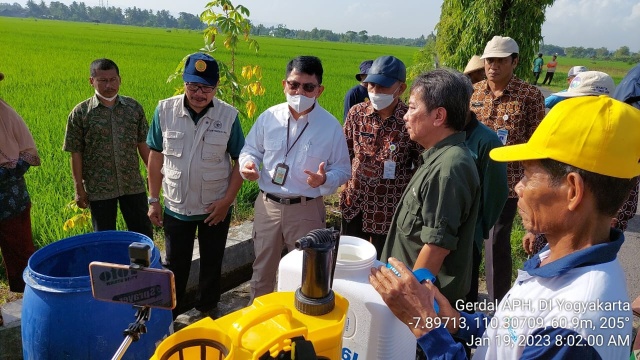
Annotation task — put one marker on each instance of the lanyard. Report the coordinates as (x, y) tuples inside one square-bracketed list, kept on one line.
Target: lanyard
[(296, 140)]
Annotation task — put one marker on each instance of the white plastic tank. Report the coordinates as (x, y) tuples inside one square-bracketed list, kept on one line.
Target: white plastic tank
[(371, 330)]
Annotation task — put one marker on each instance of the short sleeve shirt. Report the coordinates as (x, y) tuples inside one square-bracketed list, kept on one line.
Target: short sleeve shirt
[(518, 111), (108, 140)]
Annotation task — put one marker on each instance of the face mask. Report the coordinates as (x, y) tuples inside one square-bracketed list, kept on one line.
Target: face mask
[(300, 103), (381, 101), (106, 98)]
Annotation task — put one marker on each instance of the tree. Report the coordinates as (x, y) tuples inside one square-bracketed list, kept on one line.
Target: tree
[(233, 25), (622, 52), (363, 35), (426, 59), (466, 26)]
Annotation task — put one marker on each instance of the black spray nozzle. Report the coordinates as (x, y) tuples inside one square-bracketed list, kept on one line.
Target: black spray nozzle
[(319, 239), (320, 246)]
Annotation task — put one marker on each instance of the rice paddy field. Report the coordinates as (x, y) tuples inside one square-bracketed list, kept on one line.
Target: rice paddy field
[(46, 65)]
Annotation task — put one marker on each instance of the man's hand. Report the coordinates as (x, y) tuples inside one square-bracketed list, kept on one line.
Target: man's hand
[(250, 171), (155, 214), (82, 199), (218, 211), (412, 302), (528, 242), (318, 178)]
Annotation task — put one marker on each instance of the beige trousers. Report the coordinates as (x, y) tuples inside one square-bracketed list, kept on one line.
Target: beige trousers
[(276, 226)]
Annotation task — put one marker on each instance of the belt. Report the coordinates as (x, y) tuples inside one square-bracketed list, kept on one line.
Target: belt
[(286, 201)]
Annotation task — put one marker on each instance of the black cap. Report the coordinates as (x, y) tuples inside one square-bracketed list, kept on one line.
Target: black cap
[(364, 69)]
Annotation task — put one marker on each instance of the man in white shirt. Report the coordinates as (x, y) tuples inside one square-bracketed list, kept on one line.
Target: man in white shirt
[(297, 153)]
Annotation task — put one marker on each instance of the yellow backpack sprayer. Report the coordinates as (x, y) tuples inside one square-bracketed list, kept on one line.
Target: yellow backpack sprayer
[(307, 324)]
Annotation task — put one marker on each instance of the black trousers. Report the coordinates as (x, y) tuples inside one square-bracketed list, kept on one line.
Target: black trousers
[(548, 76), (134, 211), (498, 264), (536, 76), (353, 227), (179, 238)]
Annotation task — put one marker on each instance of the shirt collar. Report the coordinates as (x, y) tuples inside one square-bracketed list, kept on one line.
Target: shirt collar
[(443, 144), (94, 101), (593, 255), (472, 125), (398, 111)]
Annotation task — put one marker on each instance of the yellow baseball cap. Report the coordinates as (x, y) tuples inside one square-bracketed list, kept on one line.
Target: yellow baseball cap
[(597, 134)]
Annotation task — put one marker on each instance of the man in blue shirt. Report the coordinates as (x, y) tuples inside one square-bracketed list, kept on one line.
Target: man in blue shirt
[(358, 93)]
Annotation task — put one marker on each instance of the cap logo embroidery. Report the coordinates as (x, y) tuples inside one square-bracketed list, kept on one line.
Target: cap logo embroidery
[(201, 66)]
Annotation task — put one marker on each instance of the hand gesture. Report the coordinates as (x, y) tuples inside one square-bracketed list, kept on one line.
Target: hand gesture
[(250, 171), (318, 178)]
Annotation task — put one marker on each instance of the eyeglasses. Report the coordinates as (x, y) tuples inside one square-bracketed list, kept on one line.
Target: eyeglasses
[(308, 87), (205, 89)]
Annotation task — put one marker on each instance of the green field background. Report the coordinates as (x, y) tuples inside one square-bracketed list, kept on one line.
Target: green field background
[(46, 64)]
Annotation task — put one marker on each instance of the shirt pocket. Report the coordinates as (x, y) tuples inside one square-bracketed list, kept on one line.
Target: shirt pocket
[(214, 147), (214, 184), (172, 186), (410, 222), (311, 156), (173, 143), (273, 151)]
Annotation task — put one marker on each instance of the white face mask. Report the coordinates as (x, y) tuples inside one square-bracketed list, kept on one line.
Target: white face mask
[(106, 98), (300, 103), (382, 101)]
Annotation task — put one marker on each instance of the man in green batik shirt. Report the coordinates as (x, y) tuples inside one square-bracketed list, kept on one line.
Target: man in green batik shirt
[(105, 134)]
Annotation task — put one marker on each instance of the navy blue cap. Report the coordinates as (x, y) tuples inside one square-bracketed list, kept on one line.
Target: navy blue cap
[(202, 69), (364, 69), (386, 70)]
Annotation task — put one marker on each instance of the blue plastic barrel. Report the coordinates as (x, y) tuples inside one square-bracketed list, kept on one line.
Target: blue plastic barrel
[(60, 317)]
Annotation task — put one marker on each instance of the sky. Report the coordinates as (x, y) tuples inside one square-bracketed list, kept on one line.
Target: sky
[(587, 23)]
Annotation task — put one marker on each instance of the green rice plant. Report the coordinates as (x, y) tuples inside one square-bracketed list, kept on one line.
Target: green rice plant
[(46, 63)]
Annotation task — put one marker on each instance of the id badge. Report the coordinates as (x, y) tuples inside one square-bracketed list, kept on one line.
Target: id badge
[(281, 174), (389, 171), (503, 134)]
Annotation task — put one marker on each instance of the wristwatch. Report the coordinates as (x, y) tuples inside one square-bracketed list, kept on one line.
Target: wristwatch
[(151, 200)]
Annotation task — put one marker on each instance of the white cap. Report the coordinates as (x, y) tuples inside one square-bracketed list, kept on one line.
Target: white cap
[(500, 47), (589, 83), (576, 70)]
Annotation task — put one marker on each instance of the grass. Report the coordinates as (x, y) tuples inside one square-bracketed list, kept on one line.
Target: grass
[(616, 69)]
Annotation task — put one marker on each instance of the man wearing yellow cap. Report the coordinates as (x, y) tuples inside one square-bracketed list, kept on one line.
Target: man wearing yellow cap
[(579, 165)]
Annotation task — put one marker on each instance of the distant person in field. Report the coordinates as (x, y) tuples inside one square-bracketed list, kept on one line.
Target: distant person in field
[(17, 154), (551, 70), (383, 156), (551, 100), (475, 69), (358, 93), (297, 153), (537, 68), (513, 109), (105, 135), (195, 141)]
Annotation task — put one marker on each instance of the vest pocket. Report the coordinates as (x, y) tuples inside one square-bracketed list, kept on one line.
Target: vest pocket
[(214, 147), (173, 143), (171, 185), (214, 186)]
